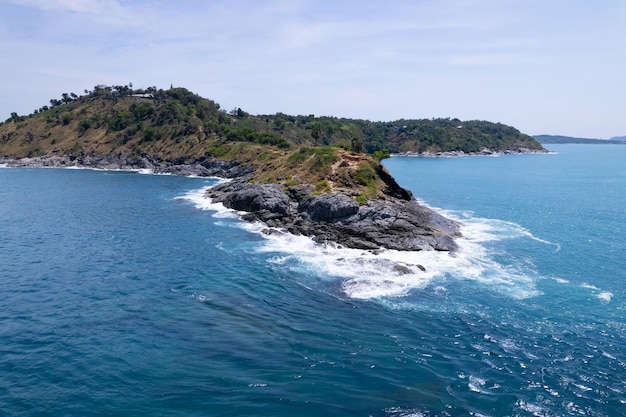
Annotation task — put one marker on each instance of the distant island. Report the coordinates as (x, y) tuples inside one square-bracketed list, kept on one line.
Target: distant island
[(555, 139), (319, 176)]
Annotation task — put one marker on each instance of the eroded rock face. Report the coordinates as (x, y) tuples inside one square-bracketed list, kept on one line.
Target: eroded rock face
[(388, 222), (329, 207)]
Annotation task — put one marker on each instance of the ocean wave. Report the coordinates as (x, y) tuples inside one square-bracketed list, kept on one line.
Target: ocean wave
[(392, 273), (487, 230), (604, 296), (198, 198)]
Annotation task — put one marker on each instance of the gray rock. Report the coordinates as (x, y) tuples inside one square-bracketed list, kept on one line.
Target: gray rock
[(203, 168), (254, 198), (390, 222), (329, 207)]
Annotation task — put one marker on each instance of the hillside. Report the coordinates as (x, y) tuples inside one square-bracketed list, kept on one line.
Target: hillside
[(556, 139), (301, 174), (176, 126), (119, 118)]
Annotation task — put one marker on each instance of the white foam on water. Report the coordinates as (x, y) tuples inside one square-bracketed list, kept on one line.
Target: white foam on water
[(534, 409), (589, 286), (392, 273), (201, 202), (4, 166), (364, 274), (144, 171), (604, 296), (476, 384), (488, 230), (403, 412)]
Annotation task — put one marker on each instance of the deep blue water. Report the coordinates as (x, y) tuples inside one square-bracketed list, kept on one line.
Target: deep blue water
[(129, 294)]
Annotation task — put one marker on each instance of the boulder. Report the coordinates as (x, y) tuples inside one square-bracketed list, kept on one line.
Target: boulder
[(329, 207), (243, 196)]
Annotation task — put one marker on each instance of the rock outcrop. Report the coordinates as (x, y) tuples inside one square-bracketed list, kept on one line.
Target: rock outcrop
[(385, 222), (203, 168)]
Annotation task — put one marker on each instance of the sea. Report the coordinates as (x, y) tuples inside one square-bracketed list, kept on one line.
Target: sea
[(130, 294)]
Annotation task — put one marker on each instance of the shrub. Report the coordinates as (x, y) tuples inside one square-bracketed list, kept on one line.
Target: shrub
[(322, 187), (121, 120), (361, 199)]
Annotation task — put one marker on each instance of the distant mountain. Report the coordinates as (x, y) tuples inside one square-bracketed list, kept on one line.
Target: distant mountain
[(555, 139), (618, 139)]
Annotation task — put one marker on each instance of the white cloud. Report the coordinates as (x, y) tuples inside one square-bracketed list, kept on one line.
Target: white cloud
[(103, 11), (76, 6), (501, 60)]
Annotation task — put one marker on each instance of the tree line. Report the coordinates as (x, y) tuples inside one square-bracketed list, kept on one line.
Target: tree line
[(183, 113)]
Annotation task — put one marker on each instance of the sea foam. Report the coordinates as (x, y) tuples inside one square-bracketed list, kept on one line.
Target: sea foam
[(391, 273)]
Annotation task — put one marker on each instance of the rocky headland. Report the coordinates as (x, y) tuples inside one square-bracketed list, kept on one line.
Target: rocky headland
[(314, 176), (388, 222), (391, 220)]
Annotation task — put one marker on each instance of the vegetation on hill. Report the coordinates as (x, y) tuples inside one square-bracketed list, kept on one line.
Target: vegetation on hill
[(177, 126), (555, 139)]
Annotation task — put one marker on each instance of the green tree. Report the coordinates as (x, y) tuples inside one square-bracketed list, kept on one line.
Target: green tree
[(316, 132), (357, 145)]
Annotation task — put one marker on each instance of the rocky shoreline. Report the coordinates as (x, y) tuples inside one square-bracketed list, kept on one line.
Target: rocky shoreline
[(382, 223), (482, 152), (205, 168), (393, 221)]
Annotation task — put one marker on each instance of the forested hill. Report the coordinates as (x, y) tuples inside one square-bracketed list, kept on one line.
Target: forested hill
[(555, 139), (177, 123)]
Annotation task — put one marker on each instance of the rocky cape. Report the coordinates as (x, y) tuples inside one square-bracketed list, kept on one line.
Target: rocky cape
[(201, 168), (392, 221)]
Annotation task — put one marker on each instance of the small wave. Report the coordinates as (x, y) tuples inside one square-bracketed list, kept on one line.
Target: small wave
[(534, 409), (476, 384), (608, 355), (482, 230), (605, 296), (201, 202), (589, 286), (144, 171)]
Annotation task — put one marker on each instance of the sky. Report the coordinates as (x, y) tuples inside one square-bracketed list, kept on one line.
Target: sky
[(543, 66)]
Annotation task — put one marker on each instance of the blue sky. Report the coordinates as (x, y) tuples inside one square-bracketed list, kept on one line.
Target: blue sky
[(543, 66)]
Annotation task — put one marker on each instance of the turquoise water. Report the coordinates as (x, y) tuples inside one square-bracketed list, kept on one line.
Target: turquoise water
[(129, 294)]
